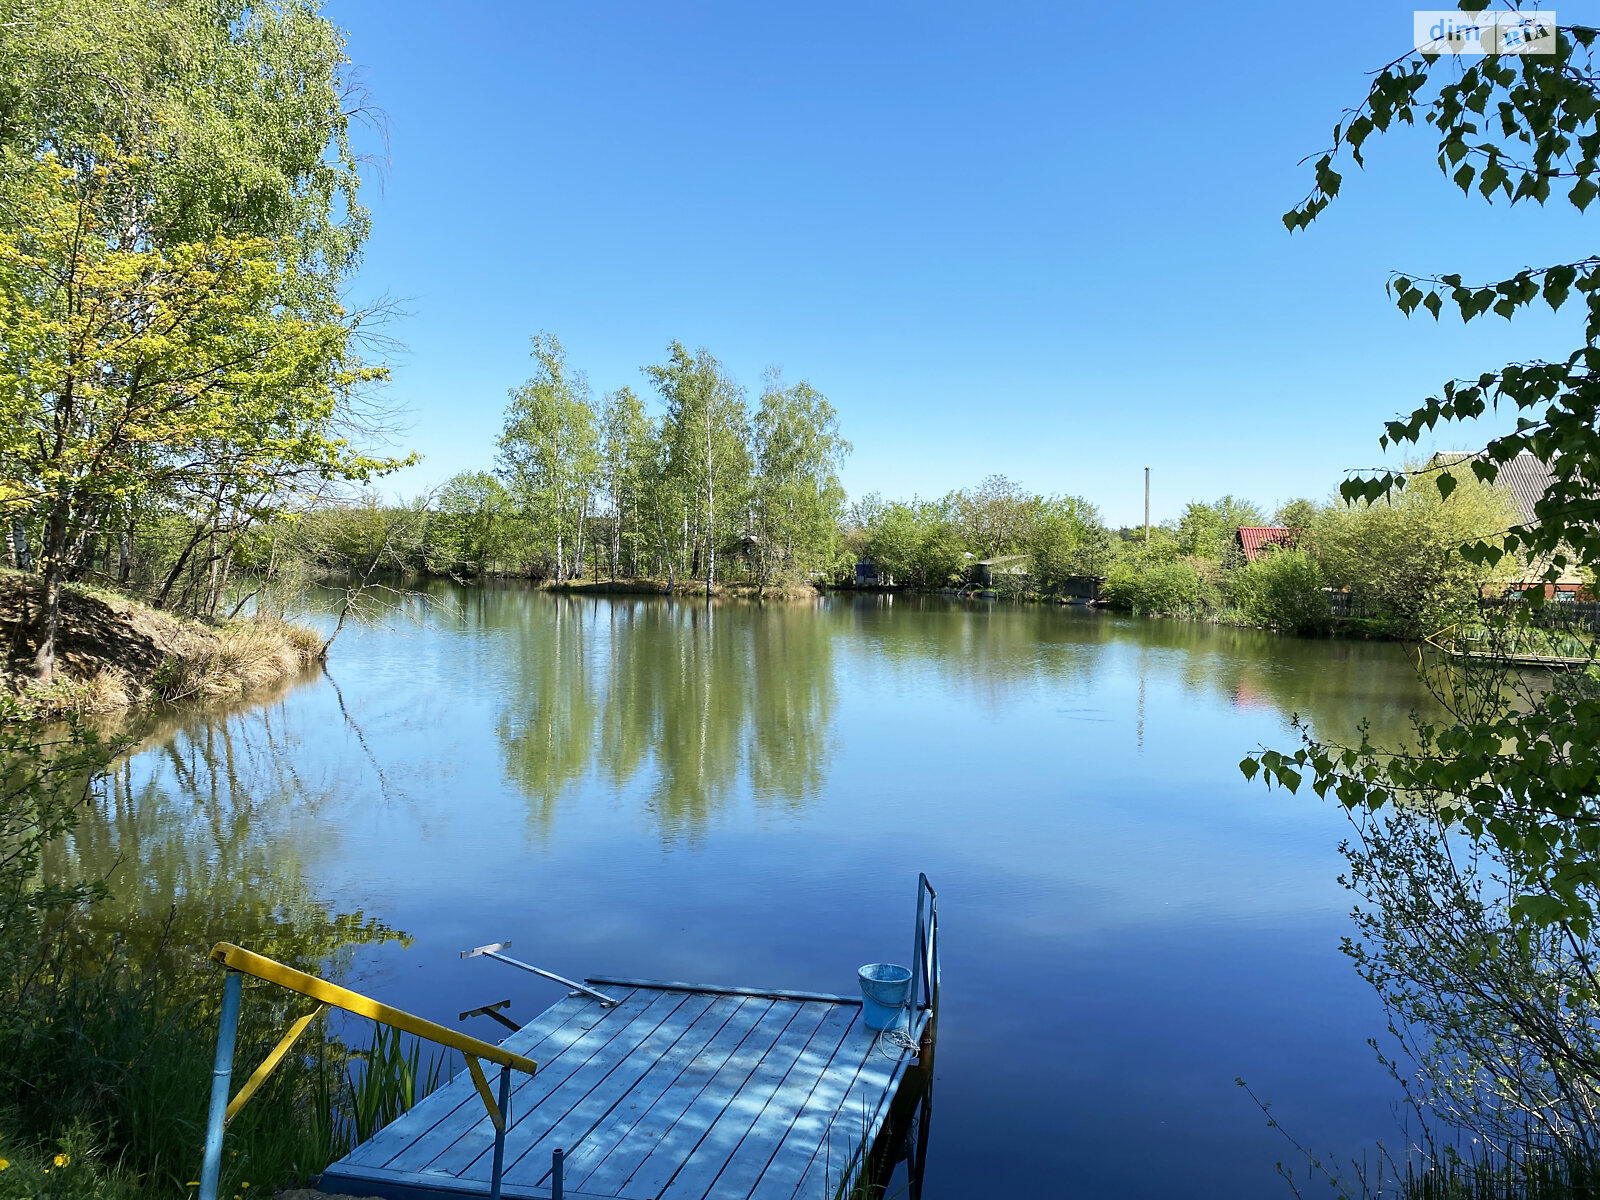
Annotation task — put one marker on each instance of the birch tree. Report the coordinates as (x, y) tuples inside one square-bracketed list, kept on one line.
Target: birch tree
[(705, 432), (626, 450), (550, 454), (796, 498)]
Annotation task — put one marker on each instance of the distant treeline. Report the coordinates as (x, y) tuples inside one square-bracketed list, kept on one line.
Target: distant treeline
[(642, 513), (703, 486), (1391, 568)]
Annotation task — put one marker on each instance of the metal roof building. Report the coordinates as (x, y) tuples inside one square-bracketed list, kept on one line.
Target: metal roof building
[(1254, 539)]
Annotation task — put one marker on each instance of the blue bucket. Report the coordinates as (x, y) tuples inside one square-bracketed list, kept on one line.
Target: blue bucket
[(885, 988)]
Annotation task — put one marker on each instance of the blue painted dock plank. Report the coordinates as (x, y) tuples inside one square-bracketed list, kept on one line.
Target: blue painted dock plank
[(694, 1072), (856, 1124), (811, 1125), (675, 1094), (577, 1126), (700, 1170), (675, 1146), (593, 1150), (631, 1020), (419, 1155), (596, 1074), (757, 1147), (539, 1039)]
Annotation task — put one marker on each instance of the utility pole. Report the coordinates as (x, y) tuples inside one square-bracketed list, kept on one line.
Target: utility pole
[(1147, 506)]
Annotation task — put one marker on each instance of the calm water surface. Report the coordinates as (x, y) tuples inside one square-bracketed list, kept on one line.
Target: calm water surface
[(745, 794)]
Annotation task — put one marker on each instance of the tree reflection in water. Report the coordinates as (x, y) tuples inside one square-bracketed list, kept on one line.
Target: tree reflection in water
[(691, 698)]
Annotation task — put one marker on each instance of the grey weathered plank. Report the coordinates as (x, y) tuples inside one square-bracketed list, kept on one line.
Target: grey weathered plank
[(691, 1071), (624, 1024), (570, 1129), (651, 1176), (700, 1170), (590, 1152), (811, 1125), (537, 1039), (755, 1149)]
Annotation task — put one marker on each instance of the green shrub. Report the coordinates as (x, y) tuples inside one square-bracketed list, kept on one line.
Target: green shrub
[(107, 1034), (1283, 590), (70, 1169), (1154, 589)]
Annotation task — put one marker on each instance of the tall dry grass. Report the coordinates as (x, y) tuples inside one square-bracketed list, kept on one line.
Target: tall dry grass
[(234, 658)]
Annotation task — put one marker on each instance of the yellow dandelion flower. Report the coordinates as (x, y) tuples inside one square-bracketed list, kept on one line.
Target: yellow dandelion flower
[(4, 1163), (62, 1160)]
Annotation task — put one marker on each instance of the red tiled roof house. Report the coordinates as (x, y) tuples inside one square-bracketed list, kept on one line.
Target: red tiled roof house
[(1254, 540)]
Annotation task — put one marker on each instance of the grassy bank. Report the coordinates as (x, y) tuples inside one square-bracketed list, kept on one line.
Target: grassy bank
[(109, 1016), (116, 652)]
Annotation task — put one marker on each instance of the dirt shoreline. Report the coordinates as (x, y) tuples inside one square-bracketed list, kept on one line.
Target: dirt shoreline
[(115, 653)]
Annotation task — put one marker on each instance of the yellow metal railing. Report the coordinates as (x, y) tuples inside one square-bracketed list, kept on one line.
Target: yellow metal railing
[(241, 962)]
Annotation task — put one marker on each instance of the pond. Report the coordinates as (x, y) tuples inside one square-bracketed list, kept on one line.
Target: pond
[(745, 794)]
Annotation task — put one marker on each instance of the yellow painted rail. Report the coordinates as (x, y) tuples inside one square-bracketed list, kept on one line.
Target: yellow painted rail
[(237, 958), (240, 961)]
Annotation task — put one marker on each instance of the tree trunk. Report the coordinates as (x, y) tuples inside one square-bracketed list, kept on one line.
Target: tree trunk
[(577, 552), (711, 509), (19, 544), (177, 569), (44, 659)]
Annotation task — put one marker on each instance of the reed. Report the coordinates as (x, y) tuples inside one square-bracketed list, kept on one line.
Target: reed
[(1534, 1172), (392, 1078)]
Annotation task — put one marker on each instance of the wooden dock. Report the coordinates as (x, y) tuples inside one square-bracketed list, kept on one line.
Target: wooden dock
[(679, 1092)]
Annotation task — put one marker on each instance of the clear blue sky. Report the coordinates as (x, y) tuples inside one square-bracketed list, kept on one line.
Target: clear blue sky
[(1002, 238)]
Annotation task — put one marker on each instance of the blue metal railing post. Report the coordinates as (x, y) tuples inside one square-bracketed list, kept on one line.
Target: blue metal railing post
[(221, 1077), (558, 1174), (500, 1134), (925, 960)]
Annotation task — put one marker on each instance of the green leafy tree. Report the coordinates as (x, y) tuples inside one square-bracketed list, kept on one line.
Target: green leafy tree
[(181, 214), (1208, 530), (1158, 589), (1485, 953), (627, 448), (995, 518), (796, 497), (550, 455), (917, 543), (1095, 553), (1525, 776), (705, 433), (1402, 554), (1297, 516), (1066, 533), (472, 526)]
